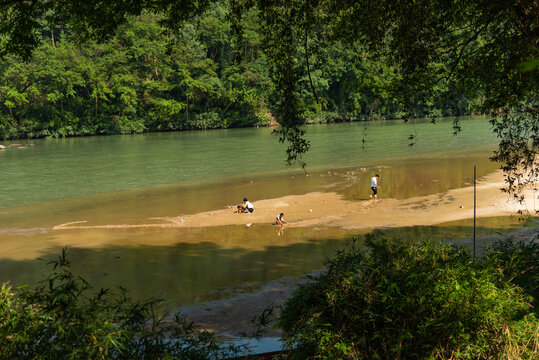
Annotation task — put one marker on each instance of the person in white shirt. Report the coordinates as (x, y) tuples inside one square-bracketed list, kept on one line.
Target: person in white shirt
[(279, 219), (246, 207), (374, 186)]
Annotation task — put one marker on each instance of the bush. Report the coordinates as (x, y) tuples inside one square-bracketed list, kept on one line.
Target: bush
[(410, 301), (132, 126), (207, 120), (60, 320), (517, 262)]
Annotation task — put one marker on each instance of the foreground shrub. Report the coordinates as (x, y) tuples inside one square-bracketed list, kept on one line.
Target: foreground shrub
[(62, 319), (411, 301), (518, 263)]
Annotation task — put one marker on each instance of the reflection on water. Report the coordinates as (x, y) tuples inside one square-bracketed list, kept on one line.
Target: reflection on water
[(201, 264), (223, 261)]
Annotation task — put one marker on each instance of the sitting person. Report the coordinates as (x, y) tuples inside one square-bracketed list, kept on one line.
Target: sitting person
[(246, 207), (279, 219)]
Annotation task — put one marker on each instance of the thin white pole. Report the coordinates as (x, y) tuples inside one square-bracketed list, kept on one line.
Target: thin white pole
[(474, 211)]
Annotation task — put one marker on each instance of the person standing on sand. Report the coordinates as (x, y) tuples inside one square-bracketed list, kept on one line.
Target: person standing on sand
[(374, 186)]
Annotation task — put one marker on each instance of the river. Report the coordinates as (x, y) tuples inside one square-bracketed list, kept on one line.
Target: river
[(130, 179)]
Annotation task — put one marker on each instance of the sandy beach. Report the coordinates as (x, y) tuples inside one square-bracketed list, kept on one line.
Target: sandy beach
[(331, 209), (325, 209), (318, 210)]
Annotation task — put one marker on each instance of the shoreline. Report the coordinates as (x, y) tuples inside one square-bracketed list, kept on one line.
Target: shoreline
[(269, 124), (318, 211)]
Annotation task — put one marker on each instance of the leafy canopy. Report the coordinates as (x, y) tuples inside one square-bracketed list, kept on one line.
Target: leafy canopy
[(487, 47)]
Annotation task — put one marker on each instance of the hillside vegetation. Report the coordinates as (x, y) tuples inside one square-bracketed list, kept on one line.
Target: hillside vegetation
[(203, 76)]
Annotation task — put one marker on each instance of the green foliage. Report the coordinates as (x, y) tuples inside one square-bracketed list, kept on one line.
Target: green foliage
[(518, 263), (518, 131), (64, 319), (400, 300), (423, 56), (204, 121), (141, 79), (168, 61), (210, 70)]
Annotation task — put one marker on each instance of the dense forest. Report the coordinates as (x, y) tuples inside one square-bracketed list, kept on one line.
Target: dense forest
[(147, 78)]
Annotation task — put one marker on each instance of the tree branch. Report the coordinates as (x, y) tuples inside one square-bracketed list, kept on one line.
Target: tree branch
[(308, 67)]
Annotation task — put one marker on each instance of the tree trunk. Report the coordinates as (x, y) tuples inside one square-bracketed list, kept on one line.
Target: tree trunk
[(187, 108), (309, 69)]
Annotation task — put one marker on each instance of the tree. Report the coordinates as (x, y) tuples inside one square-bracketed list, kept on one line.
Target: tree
[(490, 47), (486, 48), (143, 78)]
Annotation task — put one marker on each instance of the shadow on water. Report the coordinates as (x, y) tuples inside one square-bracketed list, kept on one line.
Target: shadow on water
[(182, 274), (189, 273)]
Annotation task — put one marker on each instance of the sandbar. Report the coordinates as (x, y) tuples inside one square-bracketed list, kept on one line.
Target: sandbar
[(332, 209)]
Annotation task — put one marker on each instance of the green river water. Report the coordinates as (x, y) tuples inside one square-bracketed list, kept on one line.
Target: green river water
[(129, 179)]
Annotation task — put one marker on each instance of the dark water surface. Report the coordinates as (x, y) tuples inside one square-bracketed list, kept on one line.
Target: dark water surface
[(187, 273)]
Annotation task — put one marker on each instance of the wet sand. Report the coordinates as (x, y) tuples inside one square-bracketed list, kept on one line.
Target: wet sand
[(332, 209), (237, 316)]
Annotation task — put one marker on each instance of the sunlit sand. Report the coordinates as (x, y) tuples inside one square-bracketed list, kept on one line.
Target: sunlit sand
[(331, 209)]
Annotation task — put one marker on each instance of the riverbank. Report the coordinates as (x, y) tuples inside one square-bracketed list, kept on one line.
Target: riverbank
[(264, 119), (237, 316), (330, 209)]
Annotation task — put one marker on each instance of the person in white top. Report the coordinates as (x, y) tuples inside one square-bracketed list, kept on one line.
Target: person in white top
[(374, 186), (246, 207), (279, 219)]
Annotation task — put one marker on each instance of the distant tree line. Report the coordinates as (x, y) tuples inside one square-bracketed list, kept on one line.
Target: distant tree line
[(203, 75)]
